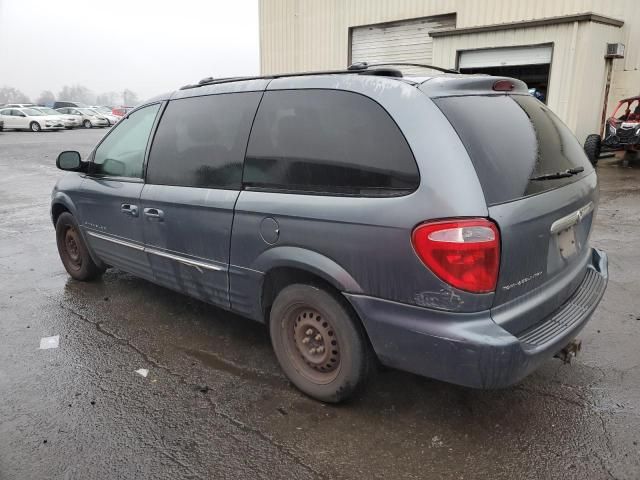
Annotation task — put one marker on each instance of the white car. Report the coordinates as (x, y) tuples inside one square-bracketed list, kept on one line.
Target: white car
[(87, 117), (29, 119), (108, 113), (19, 105), (69, 121)]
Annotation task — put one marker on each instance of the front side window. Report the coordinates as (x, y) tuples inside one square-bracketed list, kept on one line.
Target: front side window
[(121, 154), (328, 141), (200, 141)]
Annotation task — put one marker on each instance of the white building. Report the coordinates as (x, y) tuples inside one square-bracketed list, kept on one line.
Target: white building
[(556, 46)]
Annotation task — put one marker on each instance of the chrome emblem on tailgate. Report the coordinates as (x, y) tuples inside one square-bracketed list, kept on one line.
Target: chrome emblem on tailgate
[(571, 219)]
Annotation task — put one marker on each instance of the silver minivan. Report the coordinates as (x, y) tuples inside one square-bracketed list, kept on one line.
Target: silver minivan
[(438, 225)]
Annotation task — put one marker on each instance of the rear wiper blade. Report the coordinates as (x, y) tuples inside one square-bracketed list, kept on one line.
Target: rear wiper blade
[(565, 173)]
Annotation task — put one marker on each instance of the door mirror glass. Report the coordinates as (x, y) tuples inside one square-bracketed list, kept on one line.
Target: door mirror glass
[(69, 161)]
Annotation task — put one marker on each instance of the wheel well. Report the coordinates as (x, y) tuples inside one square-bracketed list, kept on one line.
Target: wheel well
[(56, 210), (280, 277)]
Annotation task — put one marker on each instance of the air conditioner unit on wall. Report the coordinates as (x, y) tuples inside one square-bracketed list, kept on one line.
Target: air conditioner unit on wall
[(615, 50)]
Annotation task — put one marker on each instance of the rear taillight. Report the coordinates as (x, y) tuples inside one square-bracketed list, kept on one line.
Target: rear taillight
[(463, 253)]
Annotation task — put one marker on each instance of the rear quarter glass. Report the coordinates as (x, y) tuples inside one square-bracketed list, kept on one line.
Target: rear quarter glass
[(512, 138), (328, 141)]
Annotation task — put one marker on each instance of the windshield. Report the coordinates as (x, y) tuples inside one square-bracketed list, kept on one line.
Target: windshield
[(515, 143), (88, 111), (32, 112), (102, 109)]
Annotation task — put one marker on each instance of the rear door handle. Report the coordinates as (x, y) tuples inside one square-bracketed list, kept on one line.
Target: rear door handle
[(154, 214), (129, 209)]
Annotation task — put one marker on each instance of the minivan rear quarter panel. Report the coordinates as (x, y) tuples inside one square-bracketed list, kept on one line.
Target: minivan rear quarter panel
[(370, 238)]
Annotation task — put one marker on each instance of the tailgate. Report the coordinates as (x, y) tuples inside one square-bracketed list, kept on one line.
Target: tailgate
[(541, 192)]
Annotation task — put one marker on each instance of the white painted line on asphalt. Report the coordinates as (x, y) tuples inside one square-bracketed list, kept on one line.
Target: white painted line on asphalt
[(143, 371), (49, 342)]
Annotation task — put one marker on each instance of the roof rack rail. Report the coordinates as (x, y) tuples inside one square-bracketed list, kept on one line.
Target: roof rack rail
[(362, 68), (405, 64), (215, 81)]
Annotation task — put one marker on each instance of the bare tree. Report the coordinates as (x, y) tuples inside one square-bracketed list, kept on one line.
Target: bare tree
[(108, 98), (12, 95), (129, 98), (77, 93), (46, 97)]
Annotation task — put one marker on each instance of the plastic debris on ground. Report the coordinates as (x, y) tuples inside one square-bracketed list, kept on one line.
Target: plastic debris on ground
[(49, 342)]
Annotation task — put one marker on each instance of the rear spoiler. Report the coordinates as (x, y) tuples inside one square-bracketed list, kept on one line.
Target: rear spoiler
[(455, 85)]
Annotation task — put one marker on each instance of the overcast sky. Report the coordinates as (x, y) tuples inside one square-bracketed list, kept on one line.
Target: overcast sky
[(148, 46)]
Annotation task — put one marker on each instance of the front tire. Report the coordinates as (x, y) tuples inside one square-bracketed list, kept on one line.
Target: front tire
[(35, 127), (73, 251), (87, 124), (593, 147), (320, 346)]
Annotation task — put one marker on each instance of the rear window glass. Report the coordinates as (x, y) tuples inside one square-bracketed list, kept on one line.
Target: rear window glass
[(512, 139), (327, 141)]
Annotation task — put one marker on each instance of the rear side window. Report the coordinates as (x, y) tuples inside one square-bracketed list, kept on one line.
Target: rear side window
[(200, 141), (328, 141), (511, 139)]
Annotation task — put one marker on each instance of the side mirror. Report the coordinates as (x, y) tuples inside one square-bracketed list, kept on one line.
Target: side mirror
[(69, 161)]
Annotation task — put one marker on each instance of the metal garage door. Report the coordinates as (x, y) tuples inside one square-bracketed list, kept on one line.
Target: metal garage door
[(508, 56), (405, 41)]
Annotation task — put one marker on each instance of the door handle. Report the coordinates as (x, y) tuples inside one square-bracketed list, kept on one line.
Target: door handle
[(129, 209), (154, 214)]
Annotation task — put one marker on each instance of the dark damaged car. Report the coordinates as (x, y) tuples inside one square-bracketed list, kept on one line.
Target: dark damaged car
[(439, 225)]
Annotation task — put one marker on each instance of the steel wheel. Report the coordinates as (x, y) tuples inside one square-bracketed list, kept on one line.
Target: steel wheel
[(72, 251), (320, 346), (312, 344)]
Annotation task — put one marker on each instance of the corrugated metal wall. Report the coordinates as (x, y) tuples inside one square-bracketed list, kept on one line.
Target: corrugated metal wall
[(313, 34), (299, 35)]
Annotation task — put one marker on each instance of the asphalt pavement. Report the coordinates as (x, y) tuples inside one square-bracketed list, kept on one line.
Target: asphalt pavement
[(214, 403)]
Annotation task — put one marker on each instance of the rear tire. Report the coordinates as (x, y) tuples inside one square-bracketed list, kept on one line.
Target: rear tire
[(73, 251), (35, 127), (321, 348), (593, 147)]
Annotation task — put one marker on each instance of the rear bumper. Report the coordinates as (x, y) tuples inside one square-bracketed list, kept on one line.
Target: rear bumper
[(470, 349)]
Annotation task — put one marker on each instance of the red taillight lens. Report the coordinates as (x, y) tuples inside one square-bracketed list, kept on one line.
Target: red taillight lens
[(463, 253)]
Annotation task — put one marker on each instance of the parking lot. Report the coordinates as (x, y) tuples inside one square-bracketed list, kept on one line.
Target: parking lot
[(215, 405)]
